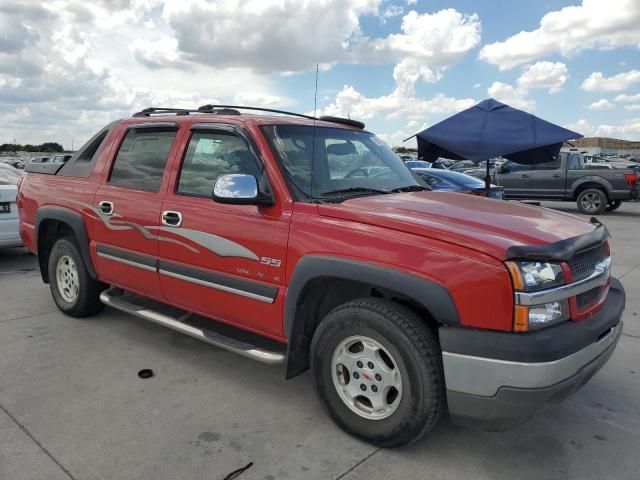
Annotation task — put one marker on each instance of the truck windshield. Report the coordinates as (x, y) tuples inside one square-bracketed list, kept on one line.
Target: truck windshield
[(335, 163)]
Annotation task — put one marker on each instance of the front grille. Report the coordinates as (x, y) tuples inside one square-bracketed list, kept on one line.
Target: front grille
[(589, 298), (584, 263)]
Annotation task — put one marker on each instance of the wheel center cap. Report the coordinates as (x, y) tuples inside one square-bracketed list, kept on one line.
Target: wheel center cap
[(366, 375)]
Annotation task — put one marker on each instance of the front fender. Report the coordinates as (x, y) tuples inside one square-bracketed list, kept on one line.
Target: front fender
[(430, 295)]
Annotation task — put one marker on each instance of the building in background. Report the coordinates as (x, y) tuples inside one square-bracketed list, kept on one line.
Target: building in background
[(602, 145)]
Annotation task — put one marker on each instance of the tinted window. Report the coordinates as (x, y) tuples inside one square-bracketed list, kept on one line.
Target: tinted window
[(210, 155), (553, 165), (510, 167), (141, 160)]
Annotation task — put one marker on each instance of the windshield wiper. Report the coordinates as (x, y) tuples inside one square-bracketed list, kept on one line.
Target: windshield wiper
[(410, 188), (355, 190)]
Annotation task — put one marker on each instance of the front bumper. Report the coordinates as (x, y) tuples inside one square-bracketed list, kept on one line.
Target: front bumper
[(495, 384)]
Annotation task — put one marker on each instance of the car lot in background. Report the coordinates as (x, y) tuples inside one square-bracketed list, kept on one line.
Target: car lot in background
[(451, 181), (206, 412)]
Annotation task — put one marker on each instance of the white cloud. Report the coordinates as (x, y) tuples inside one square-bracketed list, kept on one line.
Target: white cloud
[(602, 104), (477, 85), (260, 99), (412, 2), (551, 75), (628, 98), (513, 96), (629, 130), (632, 108), (597, 82), (250, 34), (350, 102), (160, 53), (593, 24), (393, 11)]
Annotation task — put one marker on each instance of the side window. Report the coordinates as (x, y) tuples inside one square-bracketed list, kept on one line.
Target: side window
[(574, 162), (211, 154), (553, 165), (513, 167), (141, 159)]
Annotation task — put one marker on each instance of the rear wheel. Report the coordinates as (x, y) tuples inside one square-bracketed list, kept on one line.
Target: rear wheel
[(377, 369), (73, 289), (614, 205), (592, 201)]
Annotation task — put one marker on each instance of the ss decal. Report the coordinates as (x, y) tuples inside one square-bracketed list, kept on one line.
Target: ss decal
[(272, 262)]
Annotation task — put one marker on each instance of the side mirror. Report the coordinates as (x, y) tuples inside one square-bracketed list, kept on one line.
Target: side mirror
[(239, 189)]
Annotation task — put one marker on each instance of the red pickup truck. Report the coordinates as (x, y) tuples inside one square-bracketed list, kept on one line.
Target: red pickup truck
[(306, 241)]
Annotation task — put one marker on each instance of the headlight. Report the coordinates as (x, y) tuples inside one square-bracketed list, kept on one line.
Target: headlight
[(530, 276), (538, 316)]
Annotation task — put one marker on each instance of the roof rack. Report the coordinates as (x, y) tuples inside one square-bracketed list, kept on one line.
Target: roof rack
[(234, 110)]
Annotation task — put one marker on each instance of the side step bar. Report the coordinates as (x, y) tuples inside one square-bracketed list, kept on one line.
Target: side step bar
[(114, 297)]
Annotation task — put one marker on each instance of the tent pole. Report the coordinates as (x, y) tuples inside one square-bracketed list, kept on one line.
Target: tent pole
[(487, 181)]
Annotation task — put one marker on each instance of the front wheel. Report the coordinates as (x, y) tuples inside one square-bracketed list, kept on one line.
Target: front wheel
[(592, 201), (73, 289), (377, 369)]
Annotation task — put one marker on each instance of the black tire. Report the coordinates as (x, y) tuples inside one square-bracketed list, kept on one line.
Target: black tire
[(592, 201), (87, 300), (614, 205), (417, 353)]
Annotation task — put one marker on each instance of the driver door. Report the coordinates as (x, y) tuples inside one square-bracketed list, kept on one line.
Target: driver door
[(515, 178), (228, 261)]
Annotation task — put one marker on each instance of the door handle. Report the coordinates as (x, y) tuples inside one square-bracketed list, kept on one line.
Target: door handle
[(105, 207), (557, 175), (524, 176), (171, 219)]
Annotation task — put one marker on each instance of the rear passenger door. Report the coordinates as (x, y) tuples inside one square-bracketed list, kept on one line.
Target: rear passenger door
[(234, 268), (128, 204)]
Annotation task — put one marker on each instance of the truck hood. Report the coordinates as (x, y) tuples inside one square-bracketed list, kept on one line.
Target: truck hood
[(483, 224)]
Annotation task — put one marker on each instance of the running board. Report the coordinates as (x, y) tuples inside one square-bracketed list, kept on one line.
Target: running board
[(114, 297)]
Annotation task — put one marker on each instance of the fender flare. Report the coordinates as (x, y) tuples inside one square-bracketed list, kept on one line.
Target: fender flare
[(431, 295), (604, 183), (76, 222)]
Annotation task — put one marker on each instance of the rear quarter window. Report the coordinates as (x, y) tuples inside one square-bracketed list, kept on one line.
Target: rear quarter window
[(141, 159)]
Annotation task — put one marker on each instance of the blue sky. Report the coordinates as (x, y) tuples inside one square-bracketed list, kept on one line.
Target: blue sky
[(68, 67)]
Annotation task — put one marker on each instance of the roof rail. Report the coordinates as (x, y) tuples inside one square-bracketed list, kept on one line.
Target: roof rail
[(234, 110)]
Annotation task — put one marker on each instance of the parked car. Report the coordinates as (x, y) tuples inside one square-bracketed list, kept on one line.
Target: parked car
[(450, 181), (239, 230), (567, 179), (462, 165), (9, 234)]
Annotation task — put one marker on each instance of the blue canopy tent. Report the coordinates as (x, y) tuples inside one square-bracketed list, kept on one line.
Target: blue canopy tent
[(492, 129)]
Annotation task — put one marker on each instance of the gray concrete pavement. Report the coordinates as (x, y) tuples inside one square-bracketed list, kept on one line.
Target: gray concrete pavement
[(72, 406)]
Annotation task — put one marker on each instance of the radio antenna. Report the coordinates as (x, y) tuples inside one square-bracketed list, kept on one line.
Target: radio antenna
[(313, 145)]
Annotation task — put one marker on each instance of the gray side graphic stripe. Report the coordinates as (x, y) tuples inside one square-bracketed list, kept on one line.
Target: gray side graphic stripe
[(135, 260), (256, 291), (223, 247)]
